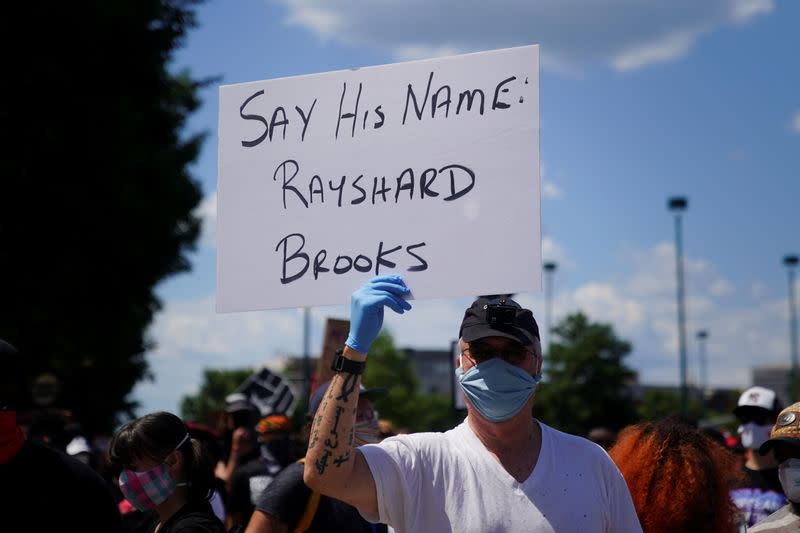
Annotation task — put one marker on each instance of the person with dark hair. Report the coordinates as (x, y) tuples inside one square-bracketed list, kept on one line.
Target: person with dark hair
[(41, 487), (240, 417), (679, 477), (760, 493), (164, 469), (499, 470)]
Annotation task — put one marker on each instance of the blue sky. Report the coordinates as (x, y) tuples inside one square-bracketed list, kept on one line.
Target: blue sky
[(640, 101)]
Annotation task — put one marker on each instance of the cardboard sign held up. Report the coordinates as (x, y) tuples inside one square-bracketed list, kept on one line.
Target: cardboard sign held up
[(336, 331), (428, 169)]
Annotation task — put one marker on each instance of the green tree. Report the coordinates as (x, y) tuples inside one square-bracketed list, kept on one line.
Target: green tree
[(659, 403), (586, 379), (205, 406), (390, 368), (97, 205)]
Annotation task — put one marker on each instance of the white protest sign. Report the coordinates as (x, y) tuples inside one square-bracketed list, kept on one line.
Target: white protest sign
[(428, 169)]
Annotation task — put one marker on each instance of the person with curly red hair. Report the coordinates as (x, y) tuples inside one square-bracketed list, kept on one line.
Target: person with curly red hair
[(679, 478)]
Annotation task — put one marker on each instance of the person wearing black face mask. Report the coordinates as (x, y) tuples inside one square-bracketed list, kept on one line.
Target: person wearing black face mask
[(250, 480), (289, 505), (40, 485), (761, 494)]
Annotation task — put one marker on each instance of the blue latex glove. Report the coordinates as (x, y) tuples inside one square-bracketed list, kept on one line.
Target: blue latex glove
[(366, 309)]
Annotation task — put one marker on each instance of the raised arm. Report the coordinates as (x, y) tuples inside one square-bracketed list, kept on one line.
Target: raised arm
[(333, 466)]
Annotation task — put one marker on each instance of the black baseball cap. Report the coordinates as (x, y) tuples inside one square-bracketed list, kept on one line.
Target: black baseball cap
[(498, 316)]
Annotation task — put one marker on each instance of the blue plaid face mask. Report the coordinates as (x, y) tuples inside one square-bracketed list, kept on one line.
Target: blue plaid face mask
[(498, 390), (145, 490)]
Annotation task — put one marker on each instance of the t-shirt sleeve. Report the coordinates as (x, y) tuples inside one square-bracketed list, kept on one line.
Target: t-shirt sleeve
[(394, 467), (622, 513), (286, 496)]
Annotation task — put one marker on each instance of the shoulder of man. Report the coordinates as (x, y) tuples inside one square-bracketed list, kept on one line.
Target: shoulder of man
[(783, 520)]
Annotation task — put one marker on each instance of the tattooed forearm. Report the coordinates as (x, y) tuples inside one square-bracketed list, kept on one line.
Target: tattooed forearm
[(348, 387), (322, 462), (332, 435), (333, 440), (341, 459)]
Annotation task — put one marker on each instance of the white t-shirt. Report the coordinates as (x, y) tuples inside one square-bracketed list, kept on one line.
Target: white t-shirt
[(443, 482)]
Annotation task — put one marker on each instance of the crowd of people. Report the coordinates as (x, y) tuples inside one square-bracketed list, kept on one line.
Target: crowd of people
[(500, 469)]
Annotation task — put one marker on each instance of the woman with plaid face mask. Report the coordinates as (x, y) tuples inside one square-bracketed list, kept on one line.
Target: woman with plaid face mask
[(165, 470)]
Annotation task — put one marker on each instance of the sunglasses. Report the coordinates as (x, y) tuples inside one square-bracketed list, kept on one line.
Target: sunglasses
[(760, 418), (479, 352)]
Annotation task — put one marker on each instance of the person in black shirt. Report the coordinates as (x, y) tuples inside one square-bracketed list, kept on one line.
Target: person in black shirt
[(288, 505), (250, 480), (761, 494)]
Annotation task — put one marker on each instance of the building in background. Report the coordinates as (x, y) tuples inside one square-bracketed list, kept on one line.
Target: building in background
[(434, 370), (775, 377)]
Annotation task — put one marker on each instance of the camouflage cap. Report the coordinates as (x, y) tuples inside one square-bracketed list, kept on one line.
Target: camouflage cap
[(786, 429)]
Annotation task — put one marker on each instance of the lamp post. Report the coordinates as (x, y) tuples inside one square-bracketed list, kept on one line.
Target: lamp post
[(306, 354), (791, 262), (678, 204), (702, 335), (549, 270)]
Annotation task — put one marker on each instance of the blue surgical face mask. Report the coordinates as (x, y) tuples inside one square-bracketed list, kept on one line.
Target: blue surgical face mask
[(498, 390)]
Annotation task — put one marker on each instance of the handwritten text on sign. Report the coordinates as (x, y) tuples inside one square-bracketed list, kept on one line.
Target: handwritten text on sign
[(428, 169)]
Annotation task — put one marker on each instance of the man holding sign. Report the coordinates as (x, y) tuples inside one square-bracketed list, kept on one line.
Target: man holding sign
[(499, 470)]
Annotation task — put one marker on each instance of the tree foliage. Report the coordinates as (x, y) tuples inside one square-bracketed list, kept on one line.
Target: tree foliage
[(404, 405), (388, 367), (657, 404), (205, 406), (585, 379), (97, 205)]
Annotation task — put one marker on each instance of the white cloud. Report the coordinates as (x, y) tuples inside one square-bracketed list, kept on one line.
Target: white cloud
[(758, 290), (721, 287), (604, 302), (625, 34), (742, 333), (796, 122), (550, 190), (554, 252), (207, 211), (672, 46)]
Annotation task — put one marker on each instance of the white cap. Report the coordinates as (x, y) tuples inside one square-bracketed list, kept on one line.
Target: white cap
[(759, 397), (78, 445)]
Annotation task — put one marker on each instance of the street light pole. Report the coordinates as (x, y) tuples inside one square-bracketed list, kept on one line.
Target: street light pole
[(791, 262), (702, 335), (549, 269), (677, 205), (306, 354)]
